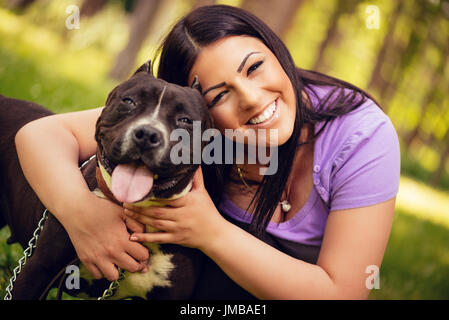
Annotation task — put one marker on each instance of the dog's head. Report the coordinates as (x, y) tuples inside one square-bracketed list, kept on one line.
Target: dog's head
[(133, 136)]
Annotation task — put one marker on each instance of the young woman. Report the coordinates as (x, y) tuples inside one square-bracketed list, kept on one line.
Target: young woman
[(329, 206)]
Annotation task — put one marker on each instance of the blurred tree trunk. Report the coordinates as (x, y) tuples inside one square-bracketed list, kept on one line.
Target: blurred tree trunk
[(435, 88), (143, 13), (278, 15), (333, 34), (389, 45), (400, 60), (438, 174), (200, 3), (19, 4), (89, 8)]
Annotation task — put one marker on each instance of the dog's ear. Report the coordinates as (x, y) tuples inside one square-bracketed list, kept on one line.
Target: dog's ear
[(196, 84), (111, 95), (146, 67)]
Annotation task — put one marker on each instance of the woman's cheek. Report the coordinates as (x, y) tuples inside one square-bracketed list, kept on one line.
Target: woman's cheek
[(221, 120)]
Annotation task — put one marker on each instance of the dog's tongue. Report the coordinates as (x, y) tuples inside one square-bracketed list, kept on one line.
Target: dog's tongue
[(131, 183)]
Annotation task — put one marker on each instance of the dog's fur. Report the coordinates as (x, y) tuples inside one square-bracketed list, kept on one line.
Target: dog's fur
[(177, 272)]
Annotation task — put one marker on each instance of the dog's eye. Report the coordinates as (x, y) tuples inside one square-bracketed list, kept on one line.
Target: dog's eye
[(185, 120), (129, 101)]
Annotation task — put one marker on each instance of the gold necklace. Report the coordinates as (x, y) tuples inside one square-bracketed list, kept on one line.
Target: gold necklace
[(285, 204)]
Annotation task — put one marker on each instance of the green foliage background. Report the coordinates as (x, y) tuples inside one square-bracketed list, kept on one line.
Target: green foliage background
[(67, 70)]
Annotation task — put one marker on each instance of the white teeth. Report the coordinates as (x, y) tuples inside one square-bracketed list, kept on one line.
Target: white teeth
[(265, 115)]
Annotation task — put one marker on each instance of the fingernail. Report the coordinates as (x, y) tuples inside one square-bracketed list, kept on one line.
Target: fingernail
[(133, 238)]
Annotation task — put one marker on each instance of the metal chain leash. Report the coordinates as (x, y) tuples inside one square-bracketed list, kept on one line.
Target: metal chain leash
[(109, 292), (29, 251), (26, 254)]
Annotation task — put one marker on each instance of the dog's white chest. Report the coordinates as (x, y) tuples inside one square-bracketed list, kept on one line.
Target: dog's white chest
[(138, 284)]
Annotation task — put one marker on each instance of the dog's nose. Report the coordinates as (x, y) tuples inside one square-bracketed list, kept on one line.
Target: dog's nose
[(147, 137)]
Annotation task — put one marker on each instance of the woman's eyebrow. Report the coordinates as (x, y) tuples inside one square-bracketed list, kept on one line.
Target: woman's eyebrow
[(238, 70), (244, 60), (221, 84)]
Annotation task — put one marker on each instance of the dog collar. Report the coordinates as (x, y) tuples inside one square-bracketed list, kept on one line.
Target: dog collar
[(150, 201)]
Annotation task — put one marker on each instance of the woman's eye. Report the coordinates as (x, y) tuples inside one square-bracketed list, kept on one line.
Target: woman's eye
[(185, 120), (217, 98), (254, 67)]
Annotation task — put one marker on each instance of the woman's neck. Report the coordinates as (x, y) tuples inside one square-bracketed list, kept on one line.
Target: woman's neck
[(252, 171)]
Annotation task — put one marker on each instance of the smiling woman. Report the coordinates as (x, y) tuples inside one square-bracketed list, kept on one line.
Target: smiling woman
[(338, 153), (246, 70)]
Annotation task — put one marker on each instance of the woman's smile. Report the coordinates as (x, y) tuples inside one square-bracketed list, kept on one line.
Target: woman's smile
[(267, 115)]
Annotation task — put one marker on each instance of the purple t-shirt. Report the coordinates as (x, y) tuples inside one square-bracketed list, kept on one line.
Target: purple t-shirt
[(356, 164)]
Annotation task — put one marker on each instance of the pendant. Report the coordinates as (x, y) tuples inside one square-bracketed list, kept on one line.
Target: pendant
[(285, 206)]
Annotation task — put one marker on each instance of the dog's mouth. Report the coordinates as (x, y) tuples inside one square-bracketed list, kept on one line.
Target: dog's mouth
[(131, 183), (134, 181)]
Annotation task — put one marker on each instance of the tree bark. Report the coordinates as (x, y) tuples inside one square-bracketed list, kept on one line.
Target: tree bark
[(438, 174), (89, 8), (140, 20), (278, 15), (201, 3), (343, 6), (404, 56), (435, 87), (389, 45), (19, 4)]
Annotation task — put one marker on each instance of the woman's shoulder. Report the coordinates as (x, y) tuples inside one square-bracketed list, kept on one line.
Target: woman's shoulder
[(355, 150), (367, 121)]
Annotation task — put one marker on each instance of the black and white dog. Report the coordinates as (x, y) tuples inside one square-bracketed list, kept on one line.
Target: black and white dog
[(132, 165)]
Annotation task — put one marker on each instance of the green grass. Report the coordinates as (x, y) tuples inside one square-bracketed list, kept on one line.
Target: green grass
[(416, 262), (38, 65)]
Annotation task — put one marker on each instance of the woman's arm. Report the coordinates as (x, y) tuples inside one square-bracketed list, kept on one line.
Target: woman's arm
[(354, 239), (49, 151)]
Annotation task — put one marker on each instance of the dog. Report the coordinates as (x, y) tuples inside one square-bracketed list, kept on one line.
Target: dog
[(133, 137)]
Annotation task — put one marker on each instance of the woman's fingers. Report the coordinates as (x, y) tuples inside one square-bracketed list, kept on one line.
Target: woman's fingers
[(134, 225), (109, 271), (154, 237), (137, 251), (126, 262), (94, 271), (137, 213), (158, 223)]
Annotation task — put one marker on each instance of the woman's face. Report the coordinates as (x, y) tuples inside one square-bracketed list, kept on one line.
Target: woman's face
[(246, 87)]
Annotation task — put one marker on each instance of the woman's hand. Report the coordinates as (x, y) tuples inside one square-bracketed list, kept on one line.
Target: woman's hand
[(191, 221), (101, 239)]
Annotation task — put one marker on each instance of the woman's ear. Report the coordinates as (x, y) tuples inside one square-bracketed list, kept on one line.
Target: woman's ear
[(146, 67)]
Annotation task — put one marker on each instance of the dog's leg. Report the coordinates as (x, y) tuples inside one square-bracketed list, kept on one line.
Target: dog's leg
[(52, 253), (21, 209)]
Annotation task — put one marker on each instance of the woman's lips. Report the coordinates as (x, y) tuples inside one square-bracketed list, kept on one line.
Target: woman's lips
[(270, 113)]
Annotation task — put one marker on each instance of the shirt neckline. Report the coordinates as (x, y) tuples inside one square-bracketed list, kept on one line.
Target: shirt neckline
[(236, 212)]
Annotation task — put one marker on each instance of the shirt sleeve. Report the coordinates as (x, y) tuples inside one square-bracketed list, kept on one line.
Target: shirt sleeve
[(366, 171)]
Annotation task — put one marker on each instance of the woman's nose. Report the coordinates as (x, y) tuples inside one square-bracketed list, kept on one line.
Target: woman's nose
[(249, 95)]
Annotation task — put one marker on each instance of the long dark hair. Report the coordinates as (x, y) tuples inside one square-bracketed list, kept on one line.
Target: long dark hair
[(208, 24)]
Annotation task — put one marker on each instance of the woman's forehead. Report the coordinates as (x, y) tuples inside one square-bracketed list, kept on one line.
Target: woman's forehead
[(225, 55)]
